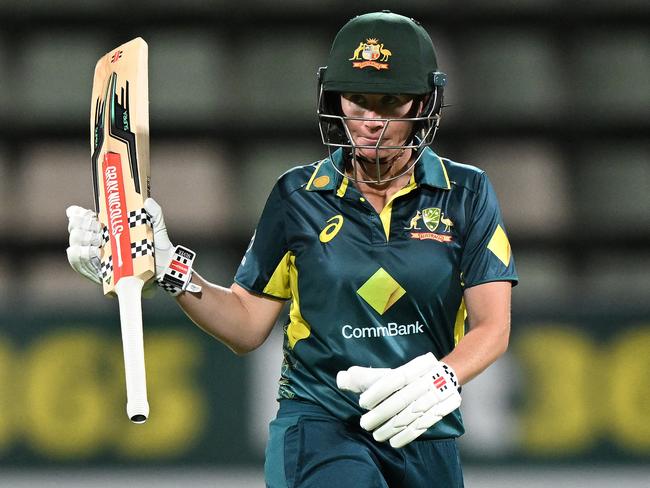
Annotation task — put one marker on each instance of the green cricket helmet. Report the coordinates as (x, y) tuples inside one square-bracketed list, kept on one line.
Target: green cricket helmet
[(381, 52)]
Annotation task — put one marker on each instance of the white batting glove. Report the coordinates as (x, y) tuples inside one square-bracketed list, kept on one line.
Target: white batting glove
[(84, 251), (358, 379), (164, 247), (404, 402), (173, 263), (85, 242)]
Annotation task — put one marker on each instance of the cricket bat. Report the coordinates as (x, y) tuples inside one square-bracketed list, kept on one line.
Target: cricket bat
[(119, 141)]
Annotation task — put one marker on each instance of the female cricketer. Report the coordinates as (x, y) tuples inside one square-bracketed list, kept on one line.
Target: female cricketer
[(397, 266)]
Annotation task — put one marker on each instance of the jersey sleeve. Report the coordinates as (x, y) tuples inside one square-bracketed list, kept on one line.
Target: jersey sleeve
[(486, 255), (264, 269)]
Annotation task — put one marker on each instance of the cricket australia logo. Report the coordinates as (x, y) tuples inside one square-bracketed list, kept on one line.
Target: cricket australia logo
[(432, 218), (370, 53)]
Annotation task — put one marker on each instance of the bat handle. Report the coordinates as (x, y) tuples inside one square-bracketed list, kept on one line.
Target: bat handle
[(129, 294)]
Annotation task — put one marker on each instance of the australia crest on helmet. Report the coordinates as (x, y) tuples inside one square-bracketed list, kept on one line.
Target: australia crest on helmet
[(371, 53)]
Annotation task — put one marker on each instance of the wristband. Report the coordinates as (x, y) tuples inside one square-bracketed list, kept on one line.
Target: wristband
[(177, 277)]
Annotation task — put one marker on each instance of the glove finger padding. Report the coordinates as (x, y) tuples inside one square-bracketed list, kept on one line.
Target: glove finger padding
[(396, 379), (82, 218), (85, 242), (358, 379), (160, 229), (81, 237), (411, 413), (396, 424), (425, 421), (85, 261), (164, 248), (173, 263), (394, 404)]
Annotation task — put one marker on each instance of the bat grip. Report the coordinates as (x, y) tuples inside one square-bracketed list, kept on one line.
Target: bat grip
[(129, 293)]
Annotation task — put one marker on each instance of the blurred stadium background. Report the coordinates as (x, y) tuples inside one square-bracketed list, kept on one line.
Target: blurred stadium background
[(550, 97)]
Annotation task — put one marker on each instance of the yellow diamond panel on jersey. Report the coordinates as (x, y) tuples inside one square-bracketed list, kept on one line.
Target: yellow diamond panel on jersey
[(381, 291), (500, 245)]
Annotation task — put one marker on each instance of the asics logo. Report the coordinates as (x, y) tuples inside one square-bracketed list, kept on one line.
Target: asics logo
[(333, 228)]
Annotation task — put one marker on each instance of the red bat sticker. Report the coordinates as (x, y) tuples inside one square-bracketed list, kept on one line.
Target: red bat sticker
[(118, 221)]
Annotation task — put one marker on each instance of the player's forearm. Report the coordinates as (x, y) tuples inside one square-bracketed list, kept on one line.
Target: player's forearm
[(220, 312), (482, 346)]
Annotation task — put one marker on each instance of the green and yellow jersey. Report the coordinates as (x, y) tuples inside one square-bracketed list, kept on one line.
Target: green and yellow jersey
[(373, 289)]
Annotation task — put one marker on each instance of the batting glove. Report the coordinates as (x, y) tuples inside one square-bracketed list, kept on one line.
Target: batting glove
[(164, 247), (403, 402), (85, 242), (85, 246), (173, 264)]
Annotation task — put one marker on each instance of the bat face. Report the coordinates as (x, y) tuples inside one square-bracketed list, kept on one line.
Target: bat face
[(120, 163)]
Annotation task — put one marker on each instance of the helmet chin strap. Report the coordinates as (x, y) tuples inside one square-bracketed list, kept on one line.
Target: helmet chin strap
[(363, 162)]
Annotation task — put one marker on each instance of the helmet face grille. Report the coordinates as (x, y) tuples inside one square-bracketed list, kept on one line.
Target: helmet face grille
[(335, 133)]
